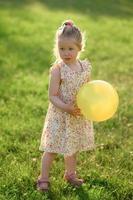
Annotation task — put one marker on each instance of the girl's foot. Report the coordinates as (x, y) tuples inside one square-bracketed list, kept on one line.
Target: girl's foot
[(43, 184), (73, 179)]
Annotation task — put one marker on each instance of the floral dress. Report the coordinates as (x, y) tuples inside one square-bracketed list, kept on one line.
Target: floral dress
[(64, 133)]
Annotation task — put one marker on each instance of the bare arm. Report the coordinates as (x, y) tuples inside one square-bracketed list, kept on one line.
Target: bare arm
[(54, 84)]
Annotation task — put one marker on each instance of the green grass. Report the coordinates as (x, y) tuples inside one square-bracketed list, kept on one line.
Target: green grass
[(27, 30)]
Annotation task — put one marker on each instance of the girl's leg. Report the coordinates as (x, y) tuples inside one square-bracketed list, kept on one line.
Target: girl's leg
[(43, 179), (70, 171), (70, 163), (47, 160)]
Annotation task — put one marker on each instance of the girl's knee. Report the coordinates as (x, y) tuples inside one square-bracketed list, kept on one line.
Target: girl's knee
[(70, 156), (51, 154)]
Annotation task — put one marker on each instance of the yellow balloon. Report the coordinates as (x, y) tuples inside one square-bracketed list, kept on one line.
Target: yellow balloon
[(97, 100)]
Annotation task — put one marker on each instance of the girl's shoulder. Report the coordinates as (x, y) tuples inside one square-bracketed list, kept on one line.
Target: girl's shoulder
[(55, 68), (87, 64)]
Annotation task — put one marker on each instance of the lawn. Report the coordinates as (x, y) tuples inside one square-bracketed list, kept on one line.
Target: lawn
[(27, 31)]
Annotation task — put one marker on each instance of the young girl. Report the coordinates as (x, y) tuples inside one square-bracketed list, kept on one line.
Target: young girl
[(65, 130)]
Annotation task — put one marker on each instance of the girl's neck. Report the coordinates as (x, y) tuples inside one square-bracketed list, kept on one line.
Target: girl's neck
[(75, 66), (72, 64)]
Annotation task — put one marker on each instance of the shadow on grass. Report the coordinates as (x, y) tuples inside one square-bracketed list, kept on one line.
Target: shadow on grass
[(78, 191), (94, 9), (118, 191), (25, 55), (25, 188)]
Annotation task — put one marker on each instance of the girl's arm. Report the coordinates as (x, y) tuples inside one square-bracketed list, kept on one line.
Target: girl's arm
[(54, 84)]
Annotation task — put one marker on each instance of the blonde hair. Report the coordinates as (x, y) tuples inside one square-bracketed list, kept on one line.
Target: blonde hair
[(68, 30)]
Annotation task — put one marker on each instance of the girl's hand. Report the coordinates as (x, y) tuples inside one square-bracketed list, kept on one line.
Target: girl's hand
[(73, 110)]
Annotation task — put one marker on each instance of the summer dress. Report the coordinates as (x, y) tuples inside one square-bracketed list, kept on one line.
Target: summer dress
[(62, 132)]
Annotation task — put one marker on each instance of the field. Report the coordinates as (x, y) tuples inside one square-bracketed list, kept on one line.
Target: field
[(27, 31)]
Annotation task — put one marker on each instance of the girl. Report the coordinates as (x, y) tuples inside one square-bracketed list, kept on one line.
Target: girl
[(65, 130)]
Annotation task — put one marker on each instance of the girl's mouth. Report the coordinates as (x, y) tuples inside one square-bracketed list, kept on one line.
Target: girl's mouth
[(67, 58)]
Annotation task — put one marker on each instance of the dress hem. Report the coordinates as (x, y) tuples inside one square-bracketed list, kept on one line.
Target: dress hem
[(91, 148)]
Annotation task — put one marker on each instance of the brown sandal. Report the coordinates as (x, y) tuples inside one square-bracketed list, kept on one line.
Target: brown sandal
[(73, 179), (40, 185)]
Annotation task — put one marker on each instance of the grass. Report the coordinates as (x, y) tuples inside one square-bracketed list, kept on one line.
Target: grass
[(27, 30)]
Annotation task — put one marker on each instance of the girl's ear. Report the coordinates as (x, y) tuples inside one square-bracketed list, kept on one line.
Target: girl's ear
[(80, 47)]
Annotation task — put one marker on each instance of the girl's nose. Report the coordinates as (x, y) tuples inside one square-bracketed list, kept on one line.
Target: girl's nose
[(67, 54)]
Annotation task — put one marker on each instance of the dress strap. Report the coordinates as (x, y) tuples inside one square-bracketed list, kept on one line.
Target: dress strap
[(86, 65), (62, 70), (81, 65)]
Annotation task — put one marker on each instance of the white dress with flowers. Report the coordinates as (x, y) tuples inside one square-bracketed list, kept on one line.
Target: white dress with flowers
[(63, 133)]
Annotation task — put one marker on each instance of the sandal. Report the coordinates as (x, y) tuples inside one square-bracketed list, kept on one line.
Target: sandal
[(43, 185), (73, 179)]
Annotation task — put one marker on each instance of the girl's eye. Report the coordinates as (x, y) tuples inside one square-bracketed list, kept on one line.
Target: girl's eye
[(70, 49), (61, 48)]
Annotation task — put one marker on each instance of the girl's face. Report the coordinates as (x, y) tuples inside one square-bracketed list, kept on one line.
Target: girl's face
[(68, 50)]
